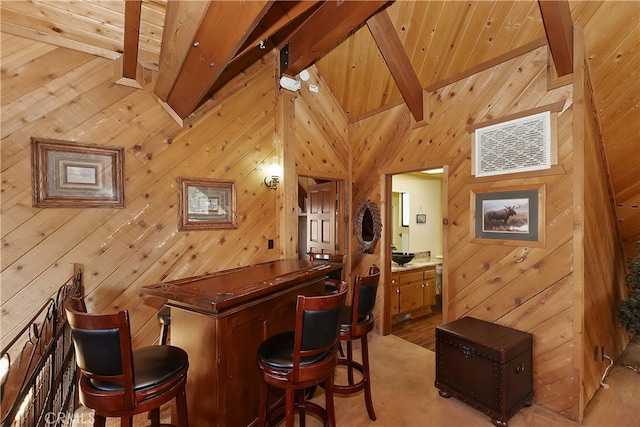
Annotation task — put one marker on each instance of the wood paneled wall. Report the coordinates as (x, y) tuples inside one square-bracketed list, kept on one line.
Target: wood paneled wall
[(602, 257), (321, 132), (527, 288), (58, 93)]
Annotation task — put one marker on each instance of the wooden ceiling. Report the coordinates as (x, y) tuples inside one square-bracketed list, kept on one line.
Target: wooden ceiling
[(373, 55)]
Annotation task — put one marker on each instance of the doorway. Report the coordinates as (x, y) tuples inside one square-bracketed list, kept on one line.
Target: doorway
[(415, 222), (320, 207)]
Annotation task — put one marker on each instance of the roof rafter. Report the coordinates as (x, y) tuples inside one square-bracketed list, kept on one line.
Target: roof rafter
[(132, 12), (182, 20), (556, 16), (224, 29), (397, 60), (329, 24)]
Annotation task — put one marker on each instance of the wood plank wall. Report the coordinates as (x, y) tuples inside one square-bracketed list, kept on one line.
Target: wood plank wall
[(321, 132), (58, 93), (527, 288), (603, 256)]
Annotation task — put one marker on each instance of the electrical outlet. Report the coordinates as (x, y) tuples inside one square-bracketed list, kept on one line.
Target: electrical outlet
[(270, 244), (602, 352), (596, 350)]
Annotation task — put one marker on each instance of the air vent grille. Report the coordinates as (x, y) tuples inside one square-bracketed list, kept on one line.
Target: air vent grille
[(518, 145)]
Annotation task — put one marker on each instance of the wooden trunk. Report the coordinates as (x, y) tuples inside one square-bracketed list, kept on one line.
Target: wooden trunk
[(485, 365)]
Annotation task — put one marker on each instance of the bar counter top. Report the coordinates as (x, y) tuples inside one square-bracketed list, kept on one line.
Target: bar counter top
[(214, 292)]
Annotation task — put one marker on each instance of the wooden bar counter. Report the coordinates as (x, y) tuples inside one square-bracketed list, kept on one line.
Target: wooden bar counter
[(220, 319)]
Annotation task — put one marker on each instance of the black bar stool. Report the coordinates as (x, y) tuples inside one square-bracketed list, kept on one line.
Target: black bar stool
[(356, 321), (334, 280), (302, 358), (118, 381)]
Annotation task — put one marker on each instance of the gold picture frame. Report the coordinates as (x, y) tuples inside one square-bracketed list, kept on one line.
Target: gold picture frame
[(67, 174), (206, 204), (509, 216)]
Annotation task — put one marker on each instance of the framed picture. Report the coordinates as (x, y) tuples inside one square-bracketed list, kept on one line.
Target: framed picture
[(67, 174), (421, 218), (510, 216), (206, 204)]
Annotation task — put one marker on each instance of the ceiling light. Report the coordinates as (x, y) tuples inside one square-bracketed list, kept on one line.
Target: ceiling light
[(289, 83), (434, 171)]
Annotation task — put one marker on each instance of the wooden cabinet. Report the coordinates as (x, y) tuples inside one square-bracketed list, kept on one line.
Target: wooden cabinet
[(413, 292)]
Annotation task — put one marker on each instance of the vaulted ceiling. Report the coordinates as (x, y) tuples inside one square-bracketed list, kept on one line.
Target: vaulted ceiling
[(372, 54)]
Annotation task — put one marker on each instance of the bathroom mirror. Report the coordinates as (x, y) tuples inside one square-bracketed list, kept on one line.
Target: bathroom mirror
[(367, 226)]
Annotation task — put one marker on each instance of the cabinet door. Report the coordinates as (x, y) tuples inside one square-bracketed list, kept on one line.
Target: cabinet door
[(429, 293), (394, 302), (429, 289), (410, 296)]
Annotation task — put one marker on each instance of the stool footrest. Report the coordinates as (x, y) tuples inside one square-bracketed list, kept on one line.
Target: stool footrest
[(279, 411), (350, 388)]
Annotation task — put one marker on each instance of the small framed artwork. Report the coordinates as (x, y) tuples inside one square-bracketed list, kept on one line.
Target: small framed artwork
[(67, 174), (206, 204), (509, 216), (421, 218)]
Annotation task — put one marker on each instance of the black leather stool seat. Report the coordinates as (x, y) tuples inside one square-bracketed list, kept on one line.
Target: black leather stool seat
[(277, 352), (345, 318), (152, 366)]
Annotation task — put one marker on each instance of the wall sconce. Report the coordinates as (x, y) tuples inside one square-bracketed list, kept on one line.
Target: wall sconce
[(273, 178)]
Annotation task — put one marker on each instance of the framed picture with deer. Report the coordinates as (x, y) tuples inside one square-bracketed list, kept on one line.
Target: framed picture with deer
[(509, 216)]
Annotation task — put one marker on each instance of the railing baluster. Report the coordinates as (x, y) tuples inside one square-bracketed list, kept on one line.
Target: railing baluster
[(40, 385)]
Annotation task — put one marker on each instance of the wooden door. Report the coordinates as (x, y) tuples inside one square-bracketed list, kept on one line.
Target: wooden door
[(321, 218)]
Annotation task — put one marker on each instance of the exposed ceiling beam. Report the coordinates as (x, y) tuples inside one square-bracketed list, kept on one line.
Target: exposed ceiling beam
[(333, 21), (223, 30), (182, 20), (398, 62), (132, 11), (556, 16), (278, 23)]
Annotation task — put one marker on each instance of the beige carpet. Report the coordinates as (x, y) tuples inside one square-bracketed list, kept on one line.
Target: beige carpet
[(404, 396)]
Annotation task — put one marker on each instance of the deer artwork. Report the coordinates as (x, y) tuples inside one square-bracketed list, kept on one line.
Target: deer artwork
[(501, 215)]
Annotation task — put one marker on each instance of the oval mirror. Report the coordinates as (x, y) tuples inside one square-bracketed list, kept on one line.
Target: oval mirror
[(367, 226)]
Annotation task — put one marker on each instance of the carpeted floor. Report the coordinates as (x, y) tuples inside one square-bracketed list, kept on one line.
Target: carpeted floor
[(404, 395)]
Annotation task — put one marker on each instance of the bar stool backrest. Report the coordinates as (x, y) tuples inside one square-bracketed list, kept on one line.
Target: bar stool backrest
[(103, 348), (317, 329), (365, 289)]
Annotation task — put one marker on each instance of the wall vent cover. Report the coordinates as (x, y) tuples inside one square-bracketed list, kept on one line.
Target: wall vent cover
[(518, 145)]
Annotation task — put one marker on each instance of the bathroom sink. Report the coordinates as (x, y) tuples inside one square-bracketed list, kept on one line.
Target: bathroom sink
[(402, 257)]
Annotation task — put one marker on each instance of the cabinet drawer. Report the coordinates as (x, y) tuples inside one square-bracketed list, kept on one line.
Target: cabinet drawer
[(411, 276)]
